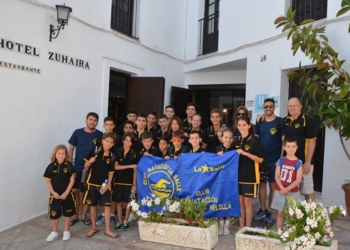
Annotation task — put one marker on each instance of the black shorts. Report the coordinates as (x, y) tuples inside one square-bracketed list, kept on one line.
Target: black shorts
[(247, 190), (77, 180), (57, 207), (121, 193), (92, 197)]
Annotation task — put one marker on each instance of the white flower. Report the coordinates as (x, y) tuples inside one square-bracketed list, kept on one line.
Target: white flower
[(331, 234), (291, 212), (328, 223), (313, 205), (157, 201), (153, 195), (144, 201), (309, 221), (138, 213), (331, 210), (307, 229), (149, 204), (164, 208), (314, 224), (299, 213), (317, 235), (144, 215), (286, 234)]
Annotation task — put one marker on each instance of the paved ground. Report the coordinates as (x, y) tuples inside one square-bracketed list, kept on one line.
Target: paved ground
[(32, 235)]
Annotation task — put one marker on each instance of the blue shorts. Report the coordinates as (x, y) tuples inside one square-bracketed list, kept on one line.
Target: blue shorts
[(272, 169)]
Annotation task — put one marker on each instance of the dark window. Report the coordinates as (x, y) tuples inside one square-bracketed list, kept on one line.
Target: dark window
[(209, 28), (123, 16), (309, 9)]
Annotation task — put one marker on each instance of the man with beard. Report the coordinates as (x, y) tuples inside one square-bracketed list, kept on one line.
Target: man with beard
[(82, 141), (271, 133)]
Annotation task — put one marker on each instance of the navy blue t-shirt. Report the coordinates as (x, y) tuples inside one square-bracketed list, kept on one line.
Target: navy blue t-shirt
[(83, 143), (270, 138)]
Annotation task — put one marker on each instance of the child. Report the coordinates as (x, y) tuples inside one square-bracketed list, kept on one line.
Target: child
[(60, 178), (227, 139), (130, 116), (195, 141), (148, 149), (162, 131), (152, 121), (196, 123), (251, 153), (109, 126), (177, 149), (124, 179), (169, 112), (128, 127), (210, 140), (219, 134), (175, 125), (288, 175), (163, 147), (191, 110), (100, 167), (141, 123)]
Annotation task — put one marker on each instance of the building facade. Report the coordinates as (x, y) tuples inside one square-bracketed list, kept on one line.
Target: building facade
[(120, 54)]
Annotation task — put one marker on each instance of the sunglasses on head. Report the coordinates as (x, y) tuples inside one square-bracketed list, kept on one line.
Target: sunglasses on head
[(268, 106), (240, 114), (176, 140)]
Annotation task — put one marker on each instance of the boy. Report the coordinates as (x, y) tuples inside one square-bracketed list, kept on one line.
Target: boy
[(288, 175), (100, 167), (141, 123), (152, 121), (163, 147), (162, 130), (186, 124), (177, 149), (148, 149), (129, 127), (130, 116), (81, 141), (210, 140), (124, 179), (195, 141), (109, 126), (170, 113)]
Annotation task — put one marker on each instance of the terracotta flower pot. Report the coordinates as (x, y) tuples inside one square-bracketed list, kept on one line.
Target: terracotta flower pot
[(347, 197)]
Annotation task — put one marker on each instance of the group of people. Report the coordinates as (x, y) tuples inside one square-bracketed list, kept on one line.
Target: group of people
[(104, 169)]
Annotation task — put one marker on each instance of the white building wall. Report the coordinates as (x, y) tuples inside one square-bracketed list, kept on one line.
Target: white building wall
[(42, 110)]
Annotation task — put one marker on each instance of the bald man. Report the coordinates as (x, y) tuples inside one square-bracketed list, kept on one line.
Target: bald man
[(303, 128)]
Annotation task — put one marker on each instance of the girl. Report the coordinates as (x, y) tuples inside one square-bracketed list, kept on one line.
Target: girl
[(251, 154), (60, 178), (219, 133), (196, 123), (227, 140), (175, 125)]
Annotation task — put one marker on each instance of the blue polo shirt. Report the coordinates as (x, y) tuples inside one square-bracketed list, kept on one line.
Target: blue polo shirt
[(270, 134), (83, 142)]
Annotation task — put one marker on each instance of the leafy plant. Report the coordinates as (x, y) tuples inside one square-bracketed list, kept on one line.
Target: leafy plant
[(308, 224), (331, 82)]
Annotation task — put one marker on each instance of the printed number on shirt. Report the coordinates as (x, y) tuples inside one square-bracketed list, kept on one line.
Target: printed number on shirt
[(285, 173)]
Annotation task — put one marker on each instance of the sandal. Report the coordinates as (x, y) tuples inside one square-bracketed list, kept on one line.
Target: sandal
[(112, 235), (73, 221), (92, 233), (86, 221)]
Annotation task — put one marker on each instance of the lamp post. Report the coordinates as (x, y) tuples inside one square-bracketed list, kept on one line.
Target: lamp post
[(63, 12)]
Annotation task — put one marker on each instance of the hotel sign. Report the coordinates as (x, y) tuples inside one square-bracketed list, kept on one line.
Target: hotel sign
[(19, 47), (68, 60), (19, 67)]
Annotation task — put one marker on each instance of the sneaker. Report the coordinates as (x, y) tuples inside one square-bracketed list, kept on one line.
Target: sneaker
[(268, 217), (118, 226), (132, 217), (125, 226), (52, 236), (226, 228), (221, 228), (259, 215), (66, 235), (112, 221), (100, 220)]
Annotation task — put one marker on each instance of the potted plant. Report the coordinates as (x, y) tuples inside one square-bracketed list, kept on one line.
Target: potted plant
[(307, 226), (346, 187), (158, 222)]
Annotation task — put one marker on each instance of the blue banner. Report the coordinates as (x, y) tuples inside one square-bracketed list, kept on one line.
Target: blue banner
[(205, 176)]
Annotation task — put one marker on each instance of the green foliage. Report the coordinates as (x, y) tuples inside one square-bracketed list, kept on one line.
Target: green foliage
[(331, 82)]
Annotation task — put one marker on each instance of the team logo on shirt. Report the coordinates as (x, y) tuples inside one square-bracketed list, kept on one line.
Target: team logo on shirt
[(297, 125), (94, 141), (246, 147), (273, 131), (65, 170), (108, 161)]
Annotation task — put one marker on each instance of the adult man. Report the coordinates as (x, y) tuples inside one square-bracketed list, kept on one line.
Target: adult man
[(170, 113), (82, 141), (271, 132), (210, 140), (187, 123), (304, 129)]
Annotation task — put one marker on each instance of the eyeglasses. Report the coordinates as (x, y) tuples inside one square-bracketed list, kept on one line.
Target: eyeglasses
[(240, 114), (269, 107), (176, 140)]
